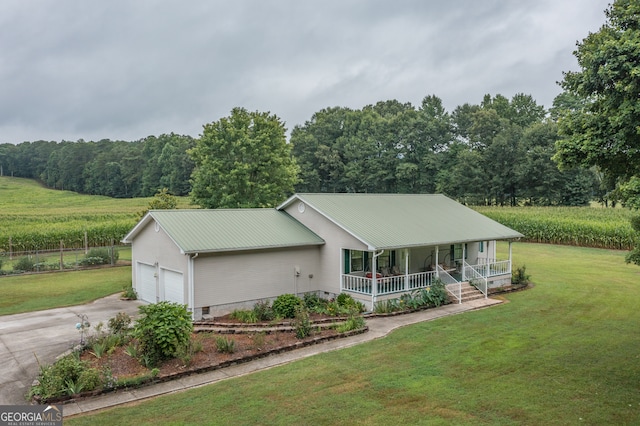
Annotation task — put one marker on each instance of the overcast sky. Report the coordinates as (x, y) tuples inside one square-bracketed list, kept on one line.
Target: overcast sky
[(124, 70)]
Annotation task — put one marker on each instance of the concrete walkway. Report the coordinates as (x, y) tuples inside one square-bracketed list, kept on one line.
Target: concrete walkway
[(45, 335), (378, 327)]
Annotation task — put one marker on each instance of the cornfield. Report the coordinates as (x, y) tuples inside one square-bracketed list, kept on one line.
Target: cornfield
[(577, 226), (36, 218), (31, 235)]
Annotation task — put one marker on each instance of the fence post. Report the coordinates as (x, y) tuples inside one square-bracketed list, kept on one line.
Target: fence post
[(61, 255), (86, 243), (10, 248)]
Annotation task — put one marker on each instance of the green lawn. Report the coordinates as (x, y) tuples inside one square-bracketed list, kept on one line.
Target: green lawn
[(34, 292), (565, 352)]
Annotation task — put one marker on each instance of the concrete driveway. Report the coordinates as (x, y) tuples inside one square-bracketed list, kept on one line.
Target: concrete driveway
[(45, 334)]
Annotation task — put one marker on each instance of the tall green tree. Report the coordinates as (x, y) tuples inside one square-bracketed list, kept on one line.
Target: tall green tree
[(605, 132), (318, 149), (243, 161)]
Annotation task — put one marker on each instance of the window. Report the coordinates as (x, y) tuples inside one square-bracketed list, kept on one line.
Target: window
[(357, 261), (457, 251)]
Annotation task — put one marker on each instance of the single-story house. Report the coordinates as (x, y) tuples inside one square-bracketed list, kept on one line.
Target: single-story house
[(372, 246)]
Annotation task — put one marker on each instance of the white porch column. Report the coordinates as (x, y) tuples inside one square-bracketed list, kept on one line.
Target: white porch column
[(437, 263), (464, 255), (374, 279), (406, 269), (510, 261)]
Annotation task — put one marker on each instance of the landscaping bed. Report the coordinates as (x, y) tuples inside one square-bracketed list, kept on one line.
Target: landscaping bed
[(262, 339)]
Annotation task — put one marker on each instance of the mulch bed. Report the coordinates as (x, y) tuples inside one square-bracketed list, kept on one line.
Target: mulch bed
[(249, 345)]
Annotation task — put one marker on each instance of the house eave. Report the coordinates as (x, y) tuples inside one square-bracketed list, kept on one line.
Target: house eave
[(249, 248)]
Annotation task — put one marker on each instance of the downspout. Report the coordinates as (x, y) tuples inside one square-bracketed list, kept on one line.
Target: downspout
[(374, 278), (192, 285)]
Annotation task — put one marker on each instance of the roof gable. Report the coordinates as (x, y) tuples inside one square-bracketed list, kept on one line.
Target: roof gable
[(202, 231), (404, 220)]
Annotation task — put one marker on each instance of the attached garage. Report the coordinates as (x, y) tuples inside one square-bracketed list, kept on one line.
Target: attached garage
[(172, 286), (146, 282), (214, 261)]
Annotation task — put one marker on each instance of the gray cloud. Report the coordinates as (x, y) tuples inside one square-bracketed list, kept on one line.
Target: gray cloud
[(72, 69)]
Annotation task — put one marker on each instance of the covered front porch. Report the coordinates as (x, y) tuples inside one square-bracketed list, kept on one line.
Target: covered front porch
[(403, 270)]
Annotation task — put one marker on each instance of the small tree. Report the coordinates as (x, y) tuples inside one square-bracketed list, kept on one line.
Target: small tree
[(163, 200)]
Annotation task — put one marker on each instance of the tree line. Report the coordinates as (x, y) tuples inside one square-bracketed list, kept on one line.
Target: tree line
[(117, 169), (495, 152)]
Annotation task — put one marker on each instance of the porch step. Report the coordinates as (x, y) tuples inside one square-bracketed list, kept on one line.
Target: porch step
[(467, 293)]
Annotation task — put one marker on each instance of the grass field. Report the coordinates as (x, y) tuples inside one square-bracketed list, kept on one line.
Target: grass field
[(35, 292), (565, 352)]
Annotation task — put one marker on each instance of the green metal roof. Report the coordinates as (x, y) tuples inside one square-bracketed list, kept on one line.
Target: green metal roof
[(404, 220), (202, 231)]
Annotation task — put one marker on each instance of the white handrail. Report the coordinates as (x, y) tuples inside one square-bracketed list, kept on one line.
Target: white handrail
[(474, 275), (452, 285)]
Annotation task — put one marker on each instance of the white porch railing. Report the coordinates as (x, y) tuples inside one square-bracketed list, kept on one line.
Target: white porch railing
[(480, 273), (493, 267), (452, 285), (472, 274), (387, 285)]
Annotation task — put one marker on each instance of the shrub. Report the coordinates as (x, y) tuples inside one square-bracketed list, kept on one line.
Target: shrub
[(129, 293), (100, 256), (187, 353), (285, 305), (258, 340), (225, 345), (120, 323), (68, 374), (354, 322), (520, 276), (89, 380), (433, 296), (347, 301), (24, 264), (313, 302), (163, 329), (302, 323), (263, 311), (386, 306)]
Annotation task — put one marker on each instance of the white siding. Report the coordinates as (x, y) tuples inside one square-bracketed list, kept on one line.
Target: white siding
[(235, 277), (331, 255), (154, 249)]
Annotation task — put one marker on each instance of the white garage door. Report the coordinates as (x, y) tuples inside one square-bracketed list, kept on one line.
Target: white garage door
[(146, 283), (172, 284)]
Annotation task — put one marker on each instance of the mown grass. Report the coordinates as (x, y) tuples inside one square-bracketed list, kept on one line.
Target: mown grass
[(564, 352), (35, 292)]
